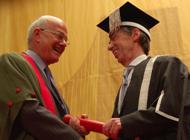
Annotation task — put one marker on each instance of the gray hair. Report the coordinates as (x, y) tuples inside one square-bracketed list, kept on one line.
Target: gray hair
[(144, 40), (40, 22)]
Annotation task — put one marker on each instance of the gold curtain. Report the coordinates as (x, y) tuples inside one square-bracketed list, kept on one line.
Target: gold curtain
[(87, 75)]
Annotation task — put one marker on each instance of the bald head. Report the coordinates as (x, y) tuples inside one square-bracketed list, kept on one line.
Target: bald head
[(47, 37), (42, 22)]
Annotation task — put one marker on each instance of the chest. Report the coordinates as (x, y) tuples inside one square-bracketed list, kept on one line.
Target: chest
[(144, 89)]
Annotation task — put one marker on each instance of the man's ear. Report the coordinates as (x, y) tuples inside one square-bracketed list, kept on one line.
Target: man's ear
[(136, 34), (36, 35)]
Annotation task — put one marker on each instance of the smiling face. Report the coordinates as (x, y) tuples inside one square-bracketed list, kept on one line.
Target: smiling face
[(121, 45), (50, 41), (125, 45)]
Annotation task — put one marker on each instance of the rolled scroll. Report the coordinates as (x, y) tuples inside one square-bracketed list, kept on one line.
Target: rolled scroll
[(90, 125)]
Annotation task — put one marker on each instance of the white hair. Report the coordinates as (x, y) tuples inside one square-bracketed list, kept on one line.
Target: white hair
[(40, 22)]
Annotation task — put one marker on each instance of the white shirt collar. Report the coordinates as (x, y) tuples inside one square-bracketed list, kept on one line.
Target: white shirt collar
[(135, 62), (138, 60)]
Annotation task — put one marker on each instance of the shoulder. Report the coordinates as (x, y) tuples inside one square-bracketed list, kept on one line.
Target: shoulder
[(14, 62), (165, 62), (166, 59), (12, 59)]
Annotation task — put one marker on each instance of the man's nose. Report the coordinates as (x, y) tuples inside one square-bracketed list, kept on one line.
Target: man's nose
[(63, 42)]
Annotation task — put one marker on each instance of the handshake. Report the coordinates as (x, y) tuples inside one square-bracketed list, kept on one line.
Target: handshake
[(84, 125)]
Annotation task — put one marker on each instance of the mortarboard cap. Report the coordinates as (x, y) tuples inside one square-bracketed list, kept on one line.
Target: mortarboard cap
[(128, 15)]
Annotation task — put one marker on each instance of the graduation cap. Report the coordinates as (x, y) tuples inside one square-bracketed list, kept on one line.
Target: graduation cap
[(128, 15)]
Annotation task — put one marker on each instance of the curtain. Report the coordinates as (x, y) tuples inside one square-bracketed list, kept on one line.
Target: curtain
[(87, 74)]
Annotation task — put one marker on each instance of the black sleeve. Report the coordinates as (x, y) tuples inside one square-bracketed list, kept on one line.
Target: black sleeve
[(144, 123), (43, 125)]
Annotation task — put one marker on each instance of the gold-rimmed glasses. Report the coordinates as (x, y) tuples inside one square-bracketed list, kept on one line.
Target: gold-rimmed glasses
[(59, 35)]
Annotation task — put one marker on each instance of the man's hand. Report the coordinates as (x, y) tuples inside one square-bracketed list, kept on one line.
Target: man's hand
[(112, 128), (75, 124)]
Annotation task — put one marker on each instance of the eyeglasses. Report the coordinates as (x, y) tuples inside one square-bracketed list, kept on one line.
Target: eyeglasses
[(59, 35)]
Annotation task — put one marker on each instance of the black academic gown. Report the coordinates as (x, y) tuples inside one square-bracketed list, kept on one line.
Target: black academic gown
[(167, 78), (184, 121)]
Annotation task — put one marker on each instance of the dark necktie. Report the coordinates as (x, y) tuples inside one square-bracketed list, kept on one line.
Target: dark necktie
[(123, 88), (59, 103)]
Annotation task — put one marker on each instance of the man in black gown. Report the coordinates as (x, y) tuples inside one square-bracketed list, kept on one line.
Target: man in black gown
[(150, 102)]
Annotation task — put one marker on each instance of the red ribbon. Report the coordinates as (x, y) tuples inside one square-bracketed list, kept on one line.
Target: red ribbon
[(46, 95)]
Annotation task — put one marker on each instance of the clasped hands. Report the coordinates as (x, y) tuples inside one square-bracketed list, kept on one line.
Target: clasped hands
[(75, 124), (110, 128)]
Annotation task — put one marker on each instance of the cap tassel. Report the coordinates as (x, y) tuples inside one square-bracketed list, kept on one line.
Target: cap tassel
[(114, 20)]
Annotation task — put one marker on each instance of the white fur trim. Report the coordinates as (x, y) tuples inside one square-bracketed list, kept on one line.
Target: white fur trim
[(143, 97)]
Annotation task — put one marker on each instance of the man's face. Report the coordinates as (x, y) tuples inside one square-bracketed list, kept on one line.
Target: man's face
[(52, 42), (121, 45)]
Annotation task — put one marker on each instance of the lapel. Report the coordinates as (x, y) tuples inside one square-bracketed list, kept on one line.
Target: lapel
[(115, 112)]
